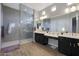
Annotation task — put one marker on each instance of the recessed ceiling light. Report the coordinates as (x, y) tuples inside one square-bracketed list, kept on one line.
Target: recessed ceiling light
[(43, 12), (67, 10), (53, 8), (73, 8)]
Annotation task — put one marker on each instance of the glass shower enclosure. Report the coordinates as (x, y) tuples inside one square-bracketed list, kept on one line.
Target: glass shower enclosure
[(17, 26), (10, 28)]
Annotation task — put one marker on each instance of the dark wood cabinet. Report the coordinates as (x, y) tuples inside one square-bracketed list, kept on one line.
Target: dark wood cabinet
[(68, 46), (40, 38), (64, 45), (75, 47)]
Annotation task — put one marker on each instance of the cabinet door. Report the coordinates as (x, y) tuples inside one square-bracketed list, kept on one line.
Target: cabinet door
[(75, 47), (45, 40), (61, 44), (40, 38), (64, 46), (37, 37), (67, 46)]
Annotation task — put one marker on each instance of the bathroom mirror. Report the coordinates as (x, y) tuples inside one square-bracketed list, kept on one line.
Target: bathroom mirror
[(64, 19)]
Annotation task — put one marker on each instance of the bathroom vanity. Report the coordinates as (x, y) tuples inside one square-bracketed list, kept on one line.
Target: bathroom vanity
[(68, 45)]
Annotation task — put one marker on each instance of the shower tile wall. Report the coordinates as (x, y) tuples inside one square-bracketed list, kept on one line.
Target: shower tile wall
[(26, 23)]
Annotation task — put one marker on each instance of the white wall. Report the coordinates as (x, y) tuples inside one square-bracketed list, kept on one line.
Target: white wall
[(0, 26)]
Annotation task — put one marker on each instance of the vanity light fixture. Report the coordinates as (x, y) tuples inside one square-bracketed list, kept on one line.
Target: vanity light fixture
[(43, 17), (67, 10), (53, 8), (43, 12), (73, 8)]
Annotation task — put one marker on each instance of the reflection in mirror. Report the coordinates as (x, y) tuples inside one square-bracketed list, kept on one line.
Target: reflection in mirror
[(74, 24), (61, 20), (46, 25)]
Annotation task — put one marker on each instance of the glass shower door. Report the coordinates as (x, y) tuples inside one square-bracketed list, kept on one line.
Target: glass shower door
[(26, 24), (10, 27)]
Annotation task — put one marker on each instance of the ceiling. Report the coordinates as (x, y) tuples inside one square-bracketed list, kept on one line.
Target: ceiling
[(38, 6)]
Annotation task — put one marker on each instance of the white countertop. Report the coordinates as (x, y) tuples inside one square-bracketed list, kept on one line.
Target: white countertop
[(77, 37), (56, 34), (51, 35)]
